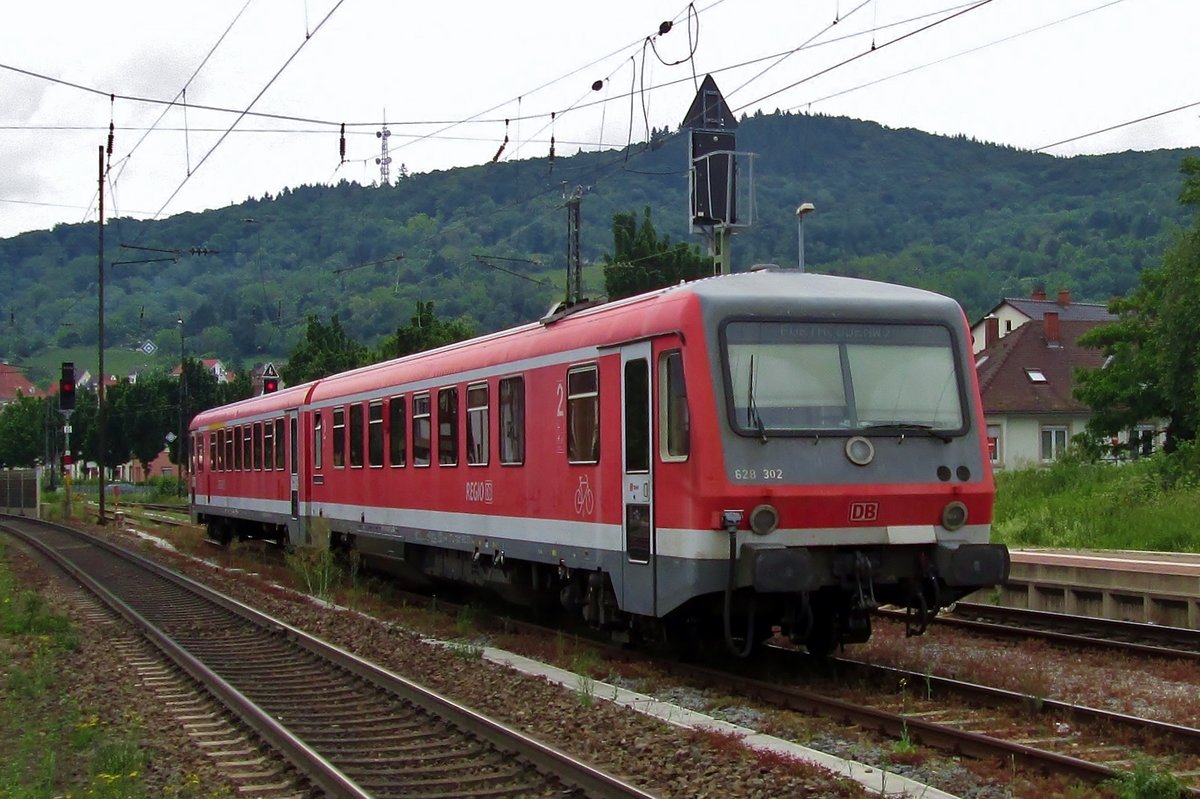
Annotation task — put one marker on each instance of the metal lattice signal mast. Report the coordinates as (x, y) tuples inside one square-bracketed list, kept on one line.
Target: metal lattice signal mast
[(384, 160)]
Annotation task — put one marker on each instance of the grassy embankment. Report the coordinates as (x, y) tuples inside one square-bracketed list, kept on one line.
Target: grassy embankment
[(1150, 504)]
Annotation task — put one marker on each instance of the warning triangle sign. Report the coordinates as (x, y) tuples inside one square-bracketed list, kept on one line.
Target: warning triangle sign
[(709, 111), (269, 371)]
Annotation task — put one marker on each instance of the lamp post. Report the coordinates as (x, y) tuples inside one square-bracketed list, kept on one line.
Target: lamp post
[(802, 211), (182, 448)]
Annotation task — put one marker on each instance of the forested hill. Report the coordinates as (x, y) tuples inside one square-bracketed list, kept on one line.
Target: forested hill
[(972, 220)]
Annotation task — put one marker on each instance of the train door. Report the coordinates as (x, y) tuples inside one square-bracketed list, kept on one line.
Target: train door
[(296, 531), (637, 489)]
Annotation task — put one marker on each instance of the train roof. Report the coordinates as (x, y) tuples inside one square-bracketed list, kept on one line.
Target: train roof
[(768, 291)]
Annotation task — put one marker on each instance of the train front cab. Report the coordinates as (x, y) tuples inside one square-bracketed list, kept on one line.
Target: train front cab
[(838, 463)]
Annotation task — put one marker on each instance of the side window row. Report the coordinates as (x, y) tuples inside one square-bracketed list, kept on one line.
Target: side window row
[(260, 446), (401, 427), (380, 432)]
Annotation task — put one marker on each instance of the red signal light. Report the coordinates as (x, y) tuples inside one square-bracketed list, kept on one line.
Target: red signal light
[(270, 385), (67, 459), (66, 387)]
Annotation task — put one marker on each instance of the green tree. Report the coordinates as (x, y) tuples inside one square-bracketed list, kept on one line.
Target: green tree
[(642, 262), (145, 414), (324, 350), (424, 332), (22, 425), (1153, 368)]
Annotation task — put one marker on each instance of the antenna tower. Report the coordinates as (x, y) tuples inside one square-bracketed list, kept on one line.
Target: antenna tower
[(384, 160)]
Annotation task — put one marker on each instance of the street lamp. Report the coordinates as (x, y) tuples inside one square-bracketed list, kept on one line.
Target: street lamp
[(182, 448), (802, 211)]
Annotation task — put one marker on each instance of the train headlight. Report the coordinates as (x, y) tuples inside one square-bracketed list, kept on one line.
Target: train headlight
[(954, 515), (764, 519), (860, 451)]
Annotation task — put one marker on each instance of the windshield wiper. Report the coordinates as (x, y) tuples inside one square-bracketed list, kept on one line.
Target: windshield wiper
[(752, 415), (914, 426)]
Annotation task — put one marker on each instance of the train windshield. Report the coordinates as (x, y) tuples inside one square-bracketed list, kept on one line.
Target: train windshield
[(795, 377)]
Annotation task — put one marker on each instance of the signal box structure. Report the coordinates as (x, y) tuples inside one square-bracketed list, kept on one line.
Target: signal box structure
[(715, 169)]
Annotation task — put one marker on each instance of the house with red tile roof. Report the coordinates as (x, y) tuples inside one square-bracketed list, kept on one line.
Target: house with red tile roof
[(14, 383), (1027, 381), (1012, 312)]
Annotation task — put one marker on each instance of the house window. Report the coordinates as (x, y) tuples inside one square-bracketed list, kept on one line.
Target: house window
[(993, 443), (1054, 442), (420, 429), (1007, 325), (583, 415), (1035, 375), (448, 427), (375, 434), (477, 425), (1142, 444), (512, 420), (396, 431)]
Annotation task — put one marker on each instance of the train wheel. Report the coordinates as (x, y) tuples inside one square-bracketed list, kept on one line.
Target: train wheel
[(823, 637)]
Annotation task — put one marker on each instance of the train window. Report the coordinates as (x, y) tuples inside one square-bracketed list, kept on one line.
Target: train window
[(397, 430), (785, 376), (318, 439), (279, 445), (212, 450), (512, 420), (477, 424), (229, 450), (375, 433), (637, 415), (258, 445), (268, 457), (237, 449), (448, 427), (294, 449), (247, 447), (673, 420), (420, 429), (221, 450), (356, 435), (339, 438), (583, 415)]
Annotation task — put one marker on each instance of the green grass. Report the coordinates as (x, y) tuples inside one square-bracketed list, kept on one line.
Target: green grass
[(48, 746), (1148, 504)]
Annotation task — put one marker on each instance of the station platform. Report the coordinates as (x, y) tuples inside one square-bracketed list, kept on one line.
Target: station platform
[(1154, 587)]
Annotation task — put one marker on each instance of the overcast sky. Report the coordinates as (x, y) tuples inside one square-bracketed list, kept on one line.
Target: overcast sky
[(1027, 73)]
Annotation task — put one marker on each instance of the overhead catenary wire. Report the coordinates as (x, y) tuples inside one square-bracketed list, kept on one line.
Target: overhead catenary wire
[(257, 97)]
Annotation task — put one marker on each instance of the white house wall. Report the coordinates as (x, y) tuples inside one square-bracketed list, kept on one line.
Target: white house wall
[(1021, 437)]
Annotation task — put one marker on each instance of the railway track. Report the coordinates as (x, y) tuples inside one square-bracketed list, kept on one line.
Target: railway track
[(351, 728), (963, 718), (1090, 631)]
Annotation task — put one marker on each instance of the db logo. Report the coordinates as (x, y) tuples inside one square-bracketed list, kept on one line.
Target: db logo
[(864, 511)]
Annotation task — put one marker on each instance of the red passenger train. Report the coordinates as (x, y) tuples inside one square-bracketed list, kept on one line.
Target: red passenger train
[(718, 458)]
